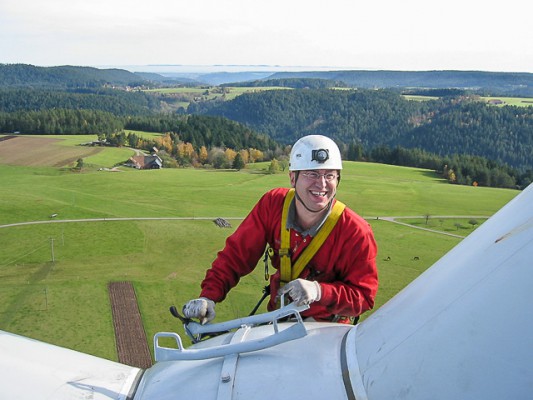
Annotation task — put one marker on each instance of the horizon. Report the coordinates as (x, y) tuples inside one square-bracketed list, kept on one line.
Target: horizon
[(230, 68), (239, 68)]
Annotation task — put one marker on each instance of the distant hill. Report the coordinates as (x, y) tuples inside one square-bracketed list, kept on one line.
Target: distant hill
[(167, 80), (67, 76), (218, 78), (20, 75), (498, 83), (511, 83)]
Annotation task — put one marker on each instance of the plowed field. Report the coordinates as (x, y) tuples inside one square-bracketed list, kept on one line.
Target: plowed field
[(39, 151), (130, 337)]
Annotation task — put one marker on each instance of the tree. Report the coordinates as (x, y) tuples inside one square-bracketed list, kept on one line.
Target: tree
[(355, 152), (256, 155), (203, 155), (273, 167), (283, 162), (451, 176), (238, 162), (245, 155), (230, 154), (218, 158)]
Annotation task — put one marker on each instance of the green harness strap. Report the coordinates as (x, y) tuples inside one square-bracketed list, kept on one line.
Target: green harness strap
[(287, 272)]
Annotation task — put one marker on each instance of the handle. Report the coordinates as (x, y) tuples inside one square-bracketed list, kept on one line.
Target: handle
[(295, 331)]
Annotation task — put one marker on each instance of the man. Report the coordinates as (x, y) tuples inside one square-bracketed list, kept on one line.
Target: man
[(337, 277)]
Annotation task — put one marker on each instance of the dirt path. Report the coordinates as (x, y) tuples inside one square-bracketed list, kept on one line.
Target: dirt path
[(132, 347)]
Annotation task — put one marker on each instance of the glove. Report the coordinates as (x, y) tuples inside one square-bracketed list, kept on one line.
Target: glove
[(302, 291), (202, 309)]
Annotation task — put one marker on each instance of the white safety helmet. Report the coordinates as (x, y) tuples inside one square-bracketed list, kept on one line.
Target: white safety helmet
[(315, 152)]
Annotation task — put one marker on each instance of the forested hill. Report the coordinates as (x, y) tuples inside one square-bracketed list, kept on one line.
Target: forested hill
[(373, 118), (18, 75), (510, 83), (495, 83)]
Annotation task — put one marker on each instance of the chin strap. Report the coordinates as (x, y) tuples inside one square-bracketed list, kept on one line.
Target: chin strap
[(287, 271), (307, 208)]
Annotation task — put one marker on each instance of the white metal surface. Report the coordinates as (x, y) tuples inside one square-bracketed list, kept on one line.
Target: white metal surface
[(463, 329), (32, 370), (307, 368)]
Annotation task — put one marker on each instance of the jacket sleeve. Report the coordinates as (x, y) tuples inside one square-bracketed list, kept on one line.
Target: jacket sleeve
[(242, 251)]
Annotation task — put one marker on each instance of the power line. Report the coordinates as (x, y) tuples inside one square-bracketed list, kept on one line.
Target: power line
[(26, 254)]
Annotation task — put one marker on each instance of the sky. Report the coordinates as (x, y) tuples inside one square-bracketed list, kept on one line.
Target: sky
[(483, 35)]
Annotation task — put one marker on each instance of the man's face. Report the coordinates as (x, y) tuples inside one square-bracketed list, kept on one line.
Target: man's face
[(316, 188)]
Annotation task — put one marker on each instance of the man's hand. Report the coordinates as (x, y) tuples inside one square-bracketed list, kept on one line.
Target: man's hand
[(202, 309), (302, 291)]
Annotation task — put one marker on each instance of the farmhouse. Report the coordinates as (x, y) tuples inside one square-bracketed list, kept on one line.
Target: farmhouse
[(145, 162)]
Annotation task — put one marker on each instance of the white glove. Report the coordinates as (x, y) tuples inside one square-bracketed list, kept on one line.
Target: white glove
[(302, 291), (202, 308)]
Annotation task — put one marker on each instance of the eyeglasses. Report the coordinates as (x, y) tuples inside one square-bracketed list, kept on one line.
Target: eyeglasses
[(315, 176)]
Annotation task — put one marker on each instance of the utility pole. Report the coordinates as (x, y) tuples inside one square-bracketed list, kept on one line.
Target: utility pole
[(52, 249)]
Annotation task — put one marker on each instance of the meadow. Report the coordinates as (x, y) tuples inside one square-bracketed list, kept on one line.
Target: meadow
[(65, 235)]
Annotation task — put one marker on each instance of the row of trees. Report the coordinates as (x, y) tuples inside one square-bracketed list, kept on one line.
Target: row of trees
[(178, 153), (459, 168), (204, 131), (60, 121)]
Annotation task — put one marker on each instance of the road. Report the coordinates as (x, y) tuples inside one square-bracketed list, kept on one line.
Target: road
[(394, 220)]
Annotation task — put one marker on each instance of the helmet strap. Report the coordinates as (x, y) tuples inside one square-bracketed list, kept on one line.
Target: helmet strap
[(307, 208)]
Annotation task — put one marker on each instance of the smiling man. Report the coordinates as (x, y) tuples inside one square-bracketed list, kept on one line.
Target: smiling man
[(323, 252)]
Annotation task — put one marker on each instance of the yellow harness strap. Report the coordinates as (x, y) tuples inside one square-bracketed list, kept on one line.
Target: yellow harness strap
[(287, 273)]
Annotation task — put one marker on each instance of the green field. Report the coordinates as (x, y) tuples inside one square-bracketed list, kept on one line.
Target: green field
[(54, 271), (509, 101)]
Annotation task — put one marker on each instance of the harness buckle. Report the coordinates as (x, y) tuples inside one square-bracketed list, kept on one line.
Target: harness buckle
[(284, 252)]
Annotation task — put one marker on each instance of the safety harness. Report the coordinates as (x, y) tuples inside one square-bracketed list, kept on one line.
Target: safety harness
[(288, 272)]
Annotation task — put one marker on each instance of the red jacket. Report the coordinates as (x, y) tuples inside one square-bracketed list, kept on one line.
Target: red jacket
[(344, 265)]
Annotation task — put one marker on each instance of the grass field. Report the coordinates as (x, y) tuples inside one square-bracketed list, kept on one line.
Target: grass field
[(54, 272), (510, 101)]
